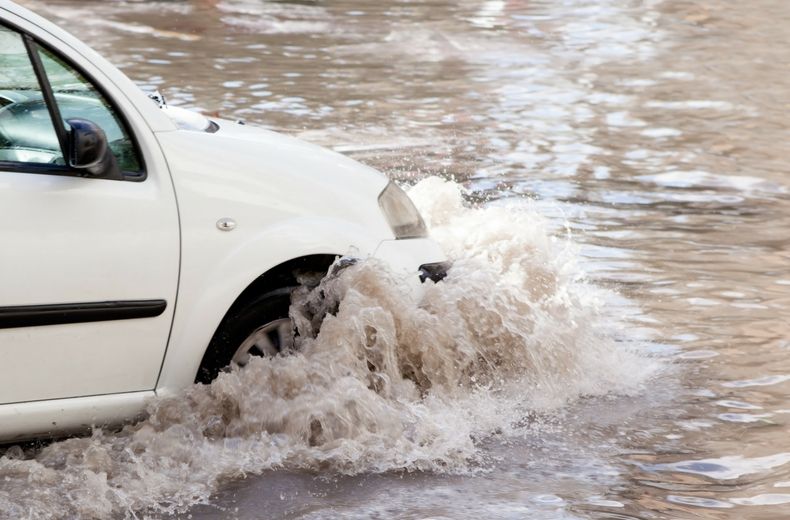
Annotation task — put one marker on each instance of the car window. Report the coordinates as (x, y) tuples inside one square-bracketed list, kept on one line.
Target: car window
[(27, 133), (76, 97)]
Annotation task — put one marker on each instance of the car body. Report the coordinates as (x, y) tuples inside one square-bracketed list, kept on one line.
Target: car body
[(115, 276)]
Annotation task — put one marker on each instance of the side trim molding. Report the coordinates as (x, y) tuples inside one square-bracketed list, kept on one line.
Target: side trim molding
[(63, 313)]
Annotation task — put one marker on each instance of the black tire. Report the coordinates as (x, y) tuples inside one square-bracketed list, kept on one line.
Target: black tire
[(237, 326)]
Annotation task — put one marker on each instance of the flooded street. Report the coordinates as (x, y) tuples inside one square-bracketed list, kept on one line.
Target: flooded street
[(613, 342)]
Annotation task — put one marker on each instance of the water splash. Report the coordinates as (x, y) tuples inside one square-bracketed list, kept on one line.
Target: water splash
[(389, 383)]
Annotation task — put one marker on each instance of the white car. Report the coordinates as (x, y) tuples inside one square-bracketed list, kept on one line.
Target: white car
[(145, 248)]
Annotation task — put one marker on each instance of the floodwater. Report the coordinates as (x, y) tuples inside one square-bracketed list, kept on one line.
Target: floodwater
[(613, 342)]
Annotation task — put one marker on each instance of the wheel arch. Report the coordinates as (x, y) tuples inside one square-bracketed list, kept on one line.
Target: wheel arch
[(182, 362), (279, 277)]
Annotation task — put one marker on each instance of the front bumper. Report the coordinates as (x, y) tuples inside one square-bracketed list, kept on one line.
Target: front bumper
[(416, 259)]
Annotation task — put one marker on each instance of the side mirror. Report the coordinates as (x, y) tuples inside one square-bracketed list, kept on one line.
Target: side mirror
[(89, 151)]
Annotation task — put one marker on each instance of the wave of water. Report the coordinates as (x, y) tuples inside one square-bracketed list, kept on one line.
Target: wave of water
[(389, 383)]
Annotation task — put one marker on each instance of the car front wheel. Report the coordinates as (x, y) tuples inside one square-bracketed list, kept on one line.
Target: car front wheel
[(260, 327)]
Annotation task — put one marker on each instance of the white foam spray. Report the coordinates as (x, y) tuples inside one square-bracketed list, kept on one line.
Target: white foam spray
[(389, 383)]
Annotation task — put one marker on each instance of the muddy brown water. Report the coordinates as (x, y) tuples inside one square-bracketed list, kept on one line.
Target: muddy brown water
[(653, 133)]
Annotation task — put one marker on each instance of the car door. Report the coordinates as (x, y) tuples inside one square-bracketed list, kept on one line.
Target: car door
[(88, 266)]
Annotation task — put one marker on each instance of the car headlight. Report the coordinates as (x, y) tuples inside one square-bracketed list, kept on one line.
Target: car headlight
[(399, 210)]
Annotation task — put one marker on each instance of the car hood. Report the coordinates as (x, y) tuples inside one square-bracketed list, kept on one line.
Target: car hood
[(255, 139), (277, 150)]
